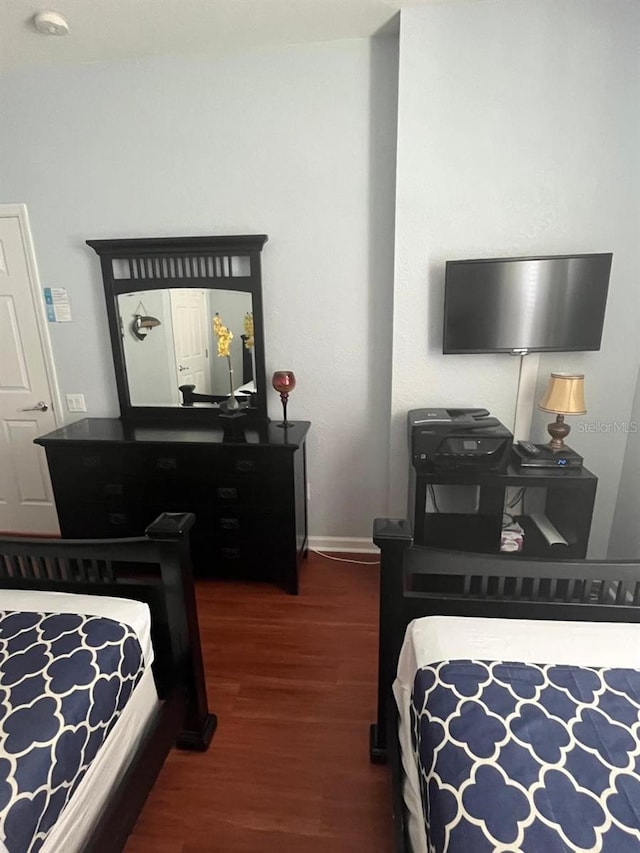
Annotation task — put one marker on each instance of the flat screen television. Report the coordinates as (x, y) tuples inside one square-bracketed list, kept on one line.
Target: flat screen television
[(515, 305)]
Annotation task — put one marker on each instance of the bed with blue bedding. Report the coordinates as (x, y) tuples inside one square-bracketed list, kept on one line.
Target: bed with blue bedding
[(101, 673), (508, 700), (65, 679), (525, 757)]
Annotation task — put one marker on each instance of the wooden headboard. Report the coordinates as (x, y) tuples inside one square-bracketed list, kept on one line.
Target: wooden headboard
[(155, 569)]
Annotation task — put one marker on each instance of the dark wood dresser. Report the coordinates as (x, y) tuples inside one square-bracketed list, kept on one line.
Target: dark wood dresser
[(111, 478)]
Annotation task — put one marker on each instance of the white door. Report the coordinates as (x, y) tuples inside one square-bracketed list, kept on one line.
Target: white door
[(190, 336), (27, 384)]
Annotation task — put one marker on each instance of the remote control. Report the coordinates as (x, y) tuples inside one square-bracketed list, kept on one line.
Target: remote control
[(529, 448)]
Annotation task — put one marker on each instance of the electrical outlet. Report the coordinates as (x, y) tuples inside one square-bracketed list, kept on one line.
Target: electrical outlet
[(308, 491), (76, 403)]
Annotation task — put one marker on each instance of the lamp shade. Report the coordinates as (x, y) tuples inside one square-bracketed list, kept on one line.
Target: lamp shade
[(564, 395)]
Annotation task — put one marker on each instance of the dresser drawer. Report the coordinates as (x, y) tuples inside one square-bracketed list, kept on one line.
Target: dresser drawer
[(165, 475), (225, 524), (89, 460), (241, 560), (199, 462), (189, 474), (91, 473), (86, 520)]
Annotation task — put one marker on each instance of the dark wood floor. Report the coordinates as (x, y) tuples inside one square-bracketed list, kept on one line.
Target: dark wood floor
[(292, 680)]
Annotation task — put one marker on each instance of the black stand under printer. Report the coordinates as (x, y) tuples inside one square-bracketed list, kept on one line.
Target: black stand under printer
[(457, 447), (568, 494)]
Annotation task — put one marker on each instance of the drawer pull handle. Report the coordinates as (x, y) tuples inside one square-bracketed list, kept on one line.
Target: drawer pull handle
[(229, 523), (117, 518), (245, 465), (113, 489), (227, 493), (166, 463), (230, 553)]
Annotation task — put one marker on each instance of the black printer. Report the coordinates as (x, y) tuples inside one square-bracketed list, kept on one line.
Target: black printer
[(457, 439)]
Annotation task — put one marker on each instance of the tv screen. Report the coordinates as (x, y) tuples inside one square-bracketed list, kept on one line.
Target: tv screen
[(554, 303)]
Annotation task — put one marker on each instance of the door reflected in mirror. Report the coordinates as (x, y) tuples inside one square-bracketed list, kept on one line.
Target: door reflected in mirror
[(183, 348)]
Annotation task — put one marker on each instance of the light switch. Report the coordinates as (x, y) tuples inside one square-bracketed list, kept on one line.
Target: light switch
[(76, 403)]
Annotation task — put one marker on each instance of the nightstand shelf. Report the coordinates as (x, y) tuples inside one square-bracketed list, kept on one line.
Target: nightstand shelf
[(565, 496)]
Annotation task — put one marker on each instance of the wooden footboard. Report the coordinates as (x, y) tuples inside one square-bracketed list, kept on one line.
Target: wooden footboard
[(418, 581), (155, 569)]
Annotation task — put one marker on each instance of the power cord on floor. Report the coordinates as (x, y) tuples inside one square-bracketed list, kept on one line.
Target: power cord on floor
[(345, 560)]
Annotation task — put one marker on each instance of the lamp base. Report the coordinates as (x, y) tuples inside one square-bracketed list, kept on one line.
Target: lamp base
[(558, 430)]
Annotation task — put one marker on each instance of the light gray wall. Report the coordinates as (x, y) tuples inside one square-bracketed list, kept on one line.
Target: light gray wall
[(624, 542), (518, 132), (297, 143)]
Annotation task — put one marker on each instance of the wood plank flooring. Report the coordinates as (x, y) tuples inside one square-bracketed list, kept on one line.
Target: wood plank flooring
[(293, 682)]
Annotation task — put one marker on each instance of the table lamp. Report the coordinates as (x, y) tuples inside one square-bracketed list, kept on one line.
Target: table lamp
[(564, 396)]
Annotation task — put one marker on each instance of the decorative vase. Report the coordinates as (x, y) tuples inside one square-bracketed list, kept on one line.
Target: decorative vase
[(284, 381), (231, 404)]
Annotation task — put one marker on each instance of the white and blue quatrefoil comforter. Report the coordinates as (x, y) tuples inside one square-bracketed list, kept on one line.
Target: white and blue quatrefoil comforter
[(64, 680), (520, 758)]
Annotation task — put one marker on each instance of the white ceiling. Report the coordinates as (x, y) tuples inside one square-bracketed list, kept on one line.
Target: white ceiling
[(116, 29)]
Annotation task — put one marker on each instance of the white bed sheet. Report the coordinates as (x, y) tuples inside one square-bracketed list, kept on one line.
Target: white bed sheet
[(438, 638), (133, 613), (82, 812)]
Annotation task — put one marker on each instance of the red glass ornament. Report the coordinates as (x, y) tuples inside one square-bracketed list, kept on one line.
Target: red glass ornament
[(284, 381)]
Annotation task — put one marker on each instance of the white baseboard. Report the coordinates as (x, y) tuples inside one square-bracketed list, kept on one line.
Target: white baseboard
[(344, 544)]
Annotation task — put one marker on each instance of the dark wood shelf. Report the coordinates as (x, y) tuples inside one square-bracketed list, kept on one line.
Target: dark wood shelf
[(472, 532), (513, 476), (569, 497)]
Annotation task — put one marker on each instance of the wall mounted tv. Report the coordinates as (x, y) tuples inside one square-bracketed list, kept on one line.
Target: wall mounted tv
[(518, 305)]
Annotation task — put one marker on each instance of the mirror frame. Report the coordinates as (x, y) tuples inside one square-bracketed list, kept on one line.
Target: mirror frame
[(157, 263)]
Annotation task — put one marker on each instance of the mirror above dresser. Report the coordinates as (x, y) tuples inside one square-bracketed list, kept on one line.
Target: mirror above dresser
[(186, 326), (187, 334)]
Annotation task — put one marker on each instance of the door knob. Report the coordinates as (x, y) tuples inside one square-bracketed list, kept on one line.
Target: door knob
[(181, 368), (39, 407)]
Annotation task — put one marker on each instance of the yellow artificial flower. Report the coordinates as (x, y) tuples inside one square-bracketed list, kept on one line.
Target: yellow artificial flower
[(248, 331), (224, 337)]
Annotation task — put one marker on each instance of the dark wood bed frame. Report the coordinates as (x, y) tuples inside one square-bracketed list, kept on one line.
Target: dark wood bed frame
[(419, 581), (155, 569)]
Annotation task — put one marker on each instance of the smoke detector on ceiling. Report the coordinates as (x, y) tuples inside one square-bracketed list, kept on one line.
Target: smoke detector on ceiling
[(50, 23)]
